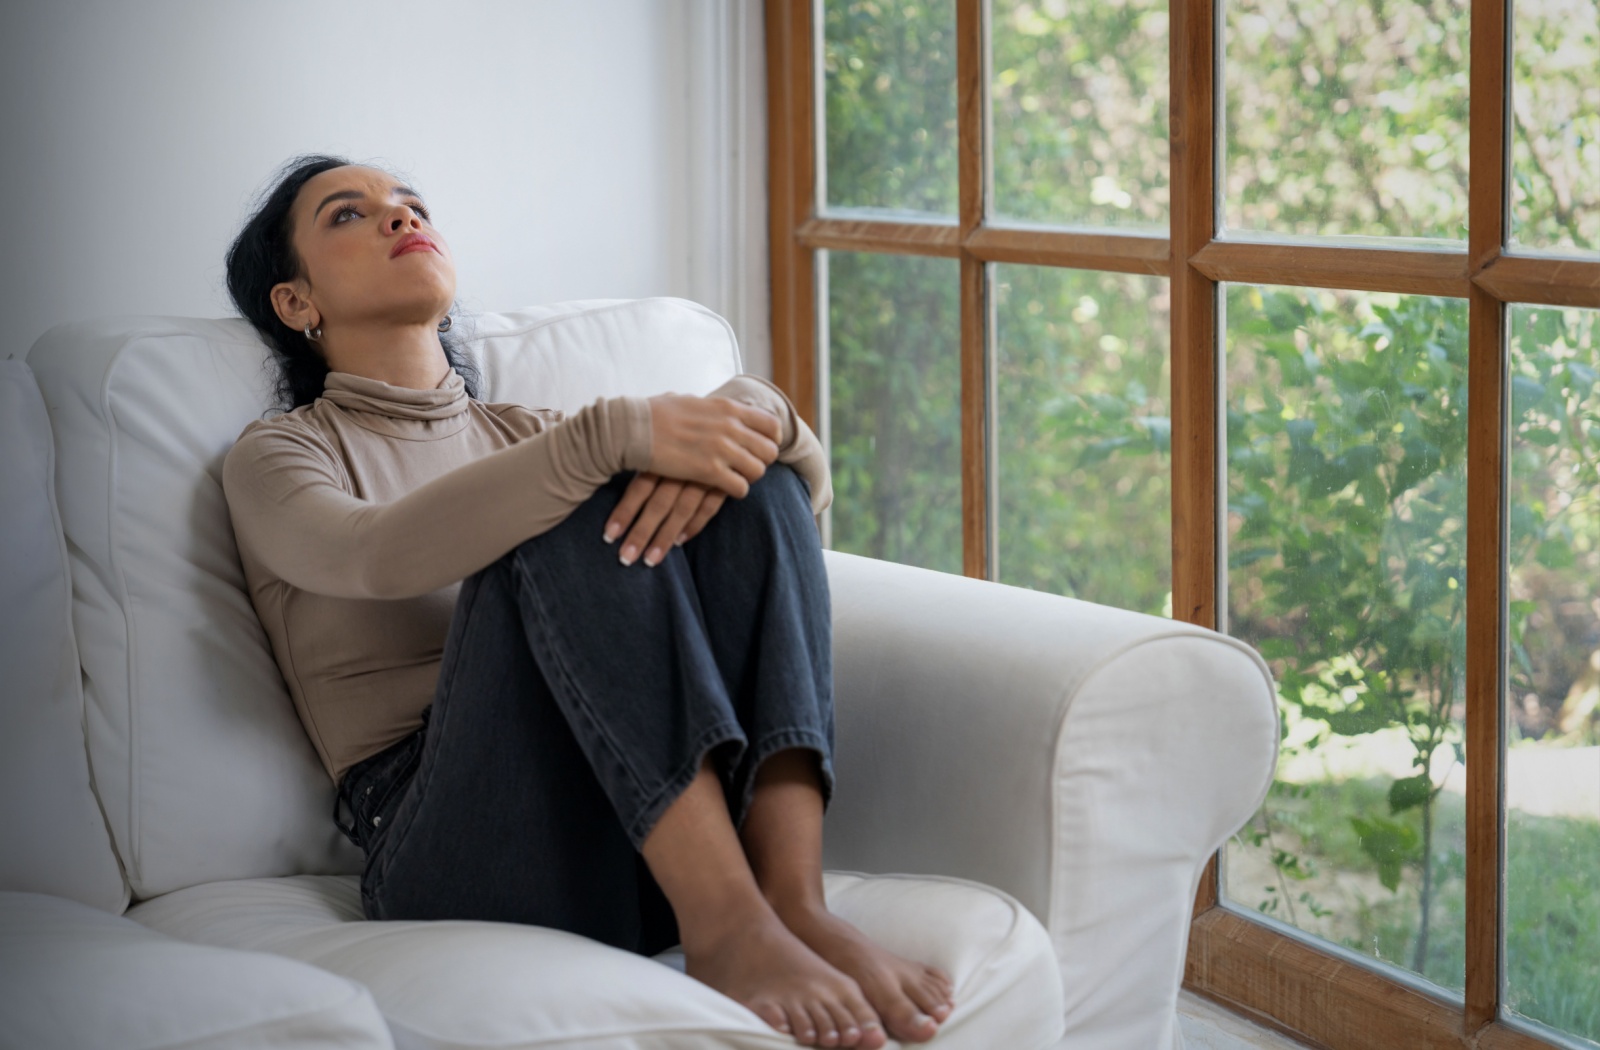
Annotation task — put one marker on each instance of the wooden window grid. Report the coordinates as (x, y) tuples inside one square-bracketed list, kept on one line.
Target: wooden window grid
[(1280, 980)]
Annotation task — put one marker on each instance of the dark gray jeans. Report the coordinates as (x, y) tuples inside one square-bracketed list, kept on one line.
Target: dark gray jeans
[(576, 701)]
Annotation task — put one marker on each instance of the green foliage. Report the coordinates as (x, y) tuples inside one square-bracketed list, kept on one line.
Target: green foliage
[(1346, 116), (1390, 844), (1080, 111), (890, 104), (1084, 435), (1555, 142), (894, 346), (1552, 895)]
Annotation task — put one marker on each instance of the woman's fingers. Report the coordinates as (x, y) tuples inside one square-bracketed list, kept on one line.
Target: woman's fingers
[(627, 508), (706, 511), (651, 515), (688, 502), (756, 439), (761, 421), (717, 442), (672, 513)]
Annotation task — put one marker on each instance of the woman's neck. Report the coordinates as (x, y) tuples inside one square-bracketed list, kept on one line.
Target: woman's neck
[(400, 355)]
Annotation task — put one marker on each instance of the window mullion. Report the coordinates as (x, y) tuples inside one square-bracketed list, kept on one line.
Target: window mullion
[(976, 381), (1194, 313), (1487, 205)]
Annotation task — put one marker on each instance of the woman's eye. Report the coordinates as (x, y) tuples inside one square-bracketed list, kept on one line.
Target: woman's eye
[(339, 215), (420, 210)]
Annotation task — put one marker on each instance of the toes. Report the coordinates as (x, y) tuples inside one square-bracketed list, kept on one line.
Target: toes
[(864, 1019), (773, 1014), (909, 1024), (848, 1032), (931, 993), (814, 1019), (835, 1024)]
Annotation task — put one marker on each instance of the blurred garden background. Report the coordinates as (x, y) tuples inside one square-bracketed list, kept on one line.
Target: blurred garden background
[(1345, 419)]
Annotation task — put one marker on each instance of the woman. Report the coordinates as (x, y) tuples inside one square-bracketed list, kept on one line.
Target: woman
[(572, 672)]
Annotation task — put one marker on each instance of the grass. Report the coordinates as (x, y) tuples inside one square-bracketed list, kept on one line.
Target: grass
[(1327, 884)]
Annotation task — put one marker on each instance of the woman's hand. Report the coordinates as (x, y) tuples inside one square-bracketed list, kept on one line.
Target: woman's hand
[(663, 512), (715, 442)]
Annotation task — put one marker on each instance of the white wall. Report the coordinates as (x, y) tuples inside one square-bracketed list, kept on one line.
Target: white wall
[(568, 149)]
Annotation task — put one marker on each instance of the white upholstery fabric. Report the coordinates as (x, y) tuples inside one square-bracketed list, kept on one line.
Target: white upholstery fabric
[(52, 836), (567, 354), (493, 985), (1084, 759), (74, 978), (201, 766)]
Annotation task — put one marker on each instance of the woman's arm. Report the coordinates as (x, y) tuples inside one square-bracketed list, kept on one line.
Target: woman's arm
[(658, 512), (285, 490)]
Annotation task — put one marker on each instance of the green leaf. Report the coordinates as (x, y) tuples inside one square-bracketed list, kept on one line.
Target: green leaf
[(1389, 843), (1556, 553), (1408, 792), (1357, 721)]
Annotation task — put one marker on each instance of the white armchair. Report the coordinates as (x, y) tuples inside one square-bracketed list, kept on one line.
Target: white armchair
[(1033, 782)]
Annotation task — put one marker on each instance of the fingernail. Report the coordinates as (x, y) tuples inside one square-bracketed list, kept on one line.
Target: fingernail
[(652, 557), (629, 553), (683, 537), (612, 532)]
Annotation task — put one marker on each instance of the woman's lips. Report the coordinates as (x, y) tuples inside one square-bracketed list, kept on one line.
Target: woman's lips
[(413, 244)]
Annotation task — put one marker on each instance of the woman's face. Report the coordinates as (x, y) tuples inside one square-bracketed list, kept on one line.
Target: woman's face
[(368, 254)]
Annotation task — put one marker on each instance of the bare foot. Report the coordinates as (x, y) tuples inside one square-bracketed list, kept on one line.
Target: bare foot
[(764, 966), (912, 999)]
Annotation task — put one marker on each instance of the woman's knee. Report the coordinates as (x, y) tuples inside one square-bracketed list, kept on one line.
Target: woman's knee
[(585, 525), (780, 488)]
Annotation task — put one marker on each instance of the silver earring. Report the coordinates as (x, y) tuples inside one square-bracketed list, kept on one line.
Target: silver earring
[(314, 334), (444, 326)]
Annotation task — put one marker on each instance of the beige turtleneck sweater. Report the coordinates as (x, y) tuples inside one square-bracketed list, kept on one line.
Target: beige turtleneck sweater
[(358, 516)]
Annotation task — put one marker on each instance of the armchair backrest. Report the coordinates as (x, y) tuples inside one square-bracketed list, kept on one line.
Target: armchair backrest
[(199, 762)]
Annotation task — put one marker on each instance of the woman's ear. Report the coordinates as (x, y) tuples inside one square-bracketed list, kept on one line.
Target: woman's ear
[(292, 306)]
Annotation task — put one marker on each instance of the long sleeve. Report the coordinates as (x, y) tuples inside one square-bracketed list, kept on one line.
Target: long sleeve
[(287, 493), (798, 446)]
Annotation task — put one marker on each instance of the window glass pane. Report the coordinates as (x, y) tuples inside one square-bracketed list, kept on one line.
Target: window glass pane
[(1084, 429), (1552, 780), (1346, 550), (1555, 144), (890, 104), (1080, 111), (1346, 117), (894, 389)]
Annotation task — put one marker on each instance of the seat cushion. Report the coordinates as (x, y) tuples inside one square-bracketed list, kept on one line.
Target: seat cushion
[(73, 977), (52, 836), (497, 985), (201, 765)]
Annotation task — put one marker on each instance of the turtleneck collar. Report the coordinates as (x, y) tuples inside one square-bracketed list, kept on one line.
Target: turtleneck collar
[(355, 393)]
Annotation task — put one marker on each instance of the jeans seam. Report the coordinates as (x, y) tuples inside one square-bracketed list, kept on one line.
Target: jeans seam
[(560, 662), (378, 863)]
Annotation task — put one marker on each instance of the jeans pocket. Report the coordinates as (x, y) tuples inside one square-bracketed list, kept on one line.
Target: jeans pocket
[(373, 792)]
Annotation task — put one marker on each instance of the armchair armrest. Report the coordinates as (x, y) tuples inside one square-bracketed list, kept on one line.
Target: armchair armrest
[(1084, 759)]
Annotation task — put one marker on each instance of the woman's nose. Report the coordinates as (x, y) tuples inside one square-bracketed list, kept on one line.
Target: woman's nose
[(403, 215)]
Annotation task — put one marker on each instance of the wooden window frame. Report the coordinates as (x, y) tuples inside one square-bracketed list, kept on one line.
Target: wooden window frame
[(1281, 980)]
